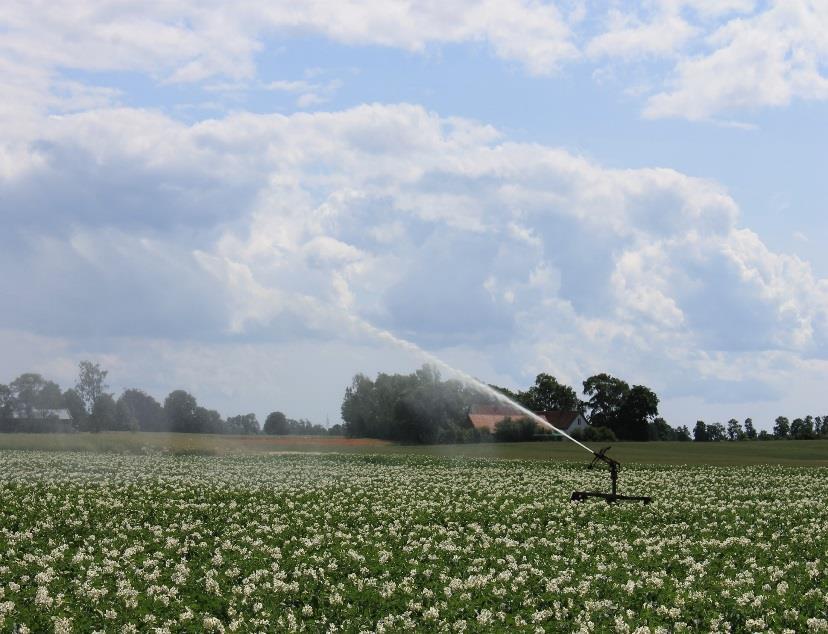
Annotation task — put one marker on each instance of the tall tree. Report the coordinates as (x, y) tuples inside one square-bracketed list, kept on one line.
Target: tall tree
[(734, 430), (811, 427), (245, 424), (6, 401), (682, 433), (549, 394), (180, 409), (417, 407), (700, 432), (32, 392), (613, 404), (91, 383), (716, 432), (606, 397), (139, 407), (103, 414), (781, 427), (640, 406), (802, 428), (359, 408), (7, 407), (431, 412), (125, 415), (750, 430), (276, 424), (72, 401), (659, 429), (208, 421)]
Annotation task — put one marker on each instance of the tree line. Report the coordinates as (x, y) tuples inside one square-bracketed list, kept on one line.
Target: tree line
[(29, 402), (412, 408), (422, 408), (614, 409), (808, 428)]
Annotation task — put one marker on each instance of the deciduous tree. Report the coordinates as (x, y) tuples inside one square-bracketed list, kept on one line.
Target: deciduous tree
[(7, 407), (734, 430), (276, 424), (606, 397), (802, 428), (180, 408), (103, 416), (682, 433), (32, 392), (659, 429), (139, 407), (781, 428), (243, 424), (640, 406), (74, 403), (716, 432), (91, 383), (549, 394)]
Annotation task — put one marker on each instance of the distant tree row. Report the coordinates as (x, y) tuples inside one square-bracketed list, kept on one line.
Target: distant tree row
[(411, 408), (808, 428), (31, 403), (421, 408), (277, 424), (628, 412)]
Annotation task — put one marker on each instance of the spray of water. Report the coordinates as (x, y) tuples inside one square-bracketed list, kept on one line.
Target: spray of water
[(469, 380)]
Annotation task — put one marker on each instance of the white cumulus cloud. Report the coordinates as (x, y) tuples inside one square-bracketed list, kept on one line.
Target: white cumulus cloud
[(281, 229)]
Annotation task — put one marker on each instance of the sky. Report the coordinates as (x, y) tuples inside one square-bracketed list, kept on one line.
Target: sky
[(232, 198)]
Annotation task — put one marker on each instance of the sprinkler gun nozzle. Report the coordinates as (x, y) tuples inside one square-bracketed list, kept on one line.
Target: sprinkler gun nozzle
[(601, 456)]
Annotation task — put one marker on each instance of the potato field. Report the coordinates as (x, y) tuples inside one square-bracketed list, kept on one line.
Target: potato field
[(336, 543)]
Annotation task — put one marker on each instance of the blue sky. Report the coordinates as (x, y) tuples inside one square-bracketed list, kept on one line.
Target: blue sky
[(211, 196)]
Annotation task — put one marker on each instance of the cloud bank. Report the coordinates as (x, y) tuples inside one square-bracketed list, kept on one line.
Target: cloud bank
[(706, 59), (267, 230), (237, 254)]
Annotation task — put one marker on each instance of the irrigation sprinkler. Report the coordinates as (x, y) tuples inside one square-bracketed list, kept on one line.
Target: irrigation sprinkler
[(614, 465)]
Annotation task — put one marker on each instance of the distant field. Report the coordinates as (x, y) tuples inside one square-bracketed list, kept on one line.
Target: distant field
[(779, 452), (198, 444), (803, 453)]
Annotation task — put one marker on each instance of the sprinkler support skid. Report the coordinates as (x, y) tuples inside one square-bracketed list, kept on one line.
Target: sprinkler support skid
[(580, 496)]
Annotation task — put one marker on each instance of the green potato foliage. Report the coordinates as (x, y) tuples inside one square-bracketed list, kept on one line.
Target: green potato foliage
[(319, 543)]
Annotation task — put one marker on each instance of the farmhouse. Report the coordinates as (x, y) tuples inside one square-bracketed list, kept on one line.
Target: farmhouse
[(565, 421), (486, 417)]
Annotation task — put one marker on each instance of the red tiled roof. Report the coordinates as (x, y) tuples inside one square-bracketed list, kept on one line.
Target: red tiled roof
[(489, 421), (488, 416)]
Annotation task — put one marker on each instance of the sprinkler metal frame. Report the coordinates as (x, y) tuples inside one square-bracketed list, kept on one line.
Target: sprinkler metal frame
[(611, 498)]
